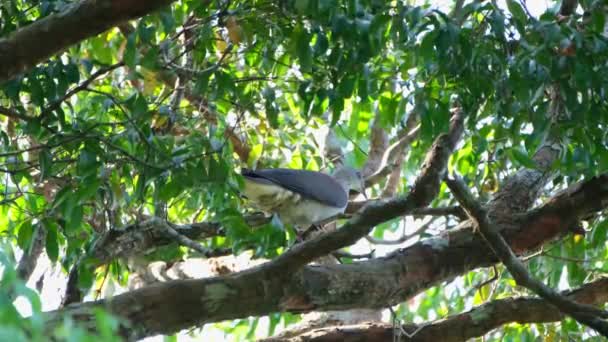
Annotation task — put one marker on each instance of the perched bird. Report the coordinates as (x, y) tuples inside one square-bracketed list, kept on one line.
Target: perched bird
[(299, 197)]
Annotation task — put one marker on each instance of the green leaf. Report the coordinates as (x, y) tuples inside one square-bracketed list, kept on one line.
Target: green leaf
[(87, 189), (387, 108), (72, 74), (129, 56), (74, 221), (86, 276), (346, 86), (518, 12), (302, 6), (36, 92), (303, 50), (45, 159), (25, 233), (271, 108), (600, 234), (61, 196), (598, 18), (52, 240)]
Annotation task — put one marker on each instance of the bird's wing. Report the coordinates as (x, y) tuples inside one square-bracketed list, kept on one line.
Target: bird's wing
[(309, 184)]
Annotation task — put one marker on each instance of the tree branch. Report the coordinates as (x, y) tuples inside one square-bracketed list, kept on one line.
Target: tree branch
[(38, 41), (584, 314), (257, 290), (138, 238), (14, 114), (461, 327), (390, 280)]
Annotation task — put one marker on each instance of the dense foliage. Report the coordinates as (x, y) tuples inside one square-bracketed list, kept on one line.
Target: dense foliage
[(157, 116)]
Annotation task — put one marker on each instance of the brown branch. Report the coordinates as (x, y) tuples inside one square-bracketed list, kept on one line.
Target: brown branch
[(343, 254), (35, 43), (584, 314), (461, 327), (182, 239), (422, 193), (176, 305), (403, 238), (14, 114), (454, 210), (141, 237)]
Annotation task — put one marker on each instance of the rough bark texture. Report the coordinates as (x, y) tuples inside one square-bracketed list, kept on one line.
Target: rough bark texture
[(137, 239), (283, 284), (461, 327), (171, 306), (38, 41)]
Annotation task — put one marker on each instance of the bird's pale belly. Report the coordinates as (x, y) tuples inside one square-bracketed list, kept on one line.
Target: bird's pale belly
[(291, 208), (306, 212)]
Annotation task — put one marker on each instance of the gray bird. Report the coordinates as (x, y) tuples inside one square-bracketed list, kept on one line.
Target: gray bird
[(299, 197)]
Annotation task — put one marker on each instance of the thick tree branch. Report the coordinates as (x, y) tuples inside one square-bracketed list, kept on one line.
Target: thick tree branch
[(40, 40), (274, 286), (423, 192), (585, 314), (376, 283), (454, 210), (462, 327)]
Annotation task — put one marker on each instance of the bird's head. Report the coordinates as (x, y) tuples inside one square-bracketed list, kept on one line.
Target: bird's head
[(350, 179)]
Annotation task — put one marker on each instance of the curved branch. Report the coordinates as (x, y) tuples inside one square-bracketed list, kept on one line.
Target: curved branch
[(279, 285), (38, 41), (461, 327), (376, 283), (585, 314)]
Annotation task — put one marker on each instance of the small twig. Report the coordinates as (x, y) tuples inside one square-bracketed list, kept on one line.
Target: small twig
[(399, 327), (103, 282), (343, 254), (185, 241), (404, 237), (583, 313), (492, 279), (454, 210), (557, 257), (82, 86)]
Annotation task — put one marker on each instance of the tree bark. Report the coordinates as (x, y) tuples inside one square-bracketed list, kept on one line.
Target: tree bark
[(461, 327), (169, 307), (38, 41)]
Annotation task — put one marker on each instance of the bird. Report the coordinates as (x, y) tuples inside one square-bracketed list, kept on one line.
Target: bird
[(301, 198)]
